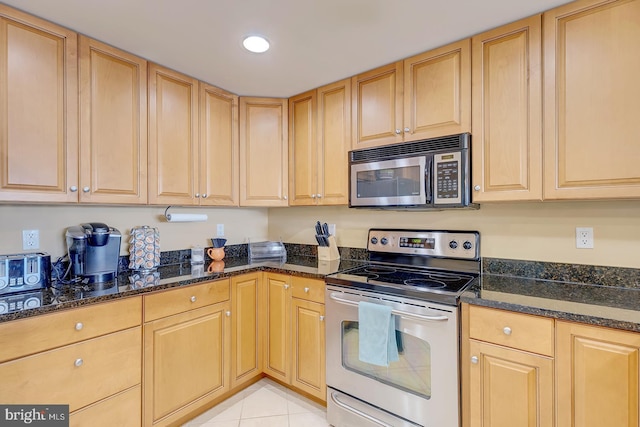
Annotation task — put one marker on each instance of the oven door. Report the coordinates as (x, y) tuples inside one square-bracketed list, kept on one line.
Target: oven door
[(399, 182), (421, 387)]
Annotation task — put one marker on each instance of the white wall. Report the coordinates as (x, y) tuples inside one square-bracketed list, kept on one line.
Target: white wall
[(528, 231), (52, 222)]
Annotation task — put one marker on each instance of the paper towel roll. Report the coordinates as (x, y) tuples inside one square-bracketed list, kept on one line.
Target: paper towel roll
[(171, 217)]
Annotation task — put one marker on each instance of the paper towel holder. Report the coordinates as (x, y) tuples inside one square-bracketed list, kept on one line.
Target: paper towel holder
[(183, 217)]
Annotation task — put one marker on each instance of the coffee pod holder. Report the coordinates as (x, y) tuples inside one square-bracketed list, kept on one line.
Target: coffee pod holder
[(329, 253)]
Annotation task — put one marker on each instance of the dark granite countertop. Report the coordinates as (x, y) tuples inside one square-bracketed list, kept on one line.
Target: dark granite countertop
[(610, 298), (129, 283)]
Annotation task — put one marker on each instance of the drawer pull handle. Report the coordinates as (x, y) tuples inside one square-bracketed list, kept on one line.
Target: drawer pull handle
[(79, 326), (306, 290), (474, 359), (193, 299), (78, 363), (507, 330)]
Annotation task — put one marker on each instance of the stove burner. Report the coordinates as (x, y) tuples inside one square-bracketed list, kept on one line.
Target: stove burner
[(425, 283), (444, 277), (379, 270)]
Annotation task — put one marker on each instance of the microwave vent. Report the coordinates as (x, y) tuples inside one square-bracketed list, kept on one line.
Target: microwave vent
[(407, 149)]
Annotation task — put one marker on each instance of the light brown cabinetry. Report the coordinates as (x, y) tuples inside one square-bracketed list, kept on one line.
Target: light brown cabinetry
[(319, 140), (598, 376), (507, 112), (507, 365), (247, 310), (38, 110), (187, 353), (75, 357), (277, 345), (263, 152), (424, 96), (113, 125), (591, 100)]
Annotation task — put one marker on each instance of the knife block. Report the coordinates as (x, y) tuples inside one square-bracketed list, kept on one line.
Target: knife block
[(329, 253)]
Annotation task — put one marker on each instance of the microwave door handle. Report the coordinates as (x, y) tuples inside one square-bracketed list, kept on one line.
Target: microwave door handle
[(427, 179)]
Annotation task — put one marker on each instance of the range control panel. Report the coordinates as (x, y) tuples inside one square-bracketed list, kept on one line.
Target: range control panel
[(437, 243)]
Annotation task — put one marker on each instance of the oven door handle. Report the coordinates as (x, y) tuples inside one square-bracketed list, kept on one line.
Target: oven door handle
[(396, 312), (343, 405)]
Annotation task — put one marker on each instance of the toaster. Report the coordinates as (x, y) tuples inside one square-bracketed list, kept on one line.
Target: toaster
[(24, 272)]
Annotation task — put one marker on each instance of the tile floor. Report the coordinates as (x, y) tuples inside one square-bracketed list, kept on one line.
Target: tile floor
[(263, 404)]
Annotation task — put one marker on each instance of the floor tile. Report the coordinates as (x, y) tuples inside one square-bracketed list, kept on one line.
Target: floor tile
[(307, 419), (276, 421), (264, 403)]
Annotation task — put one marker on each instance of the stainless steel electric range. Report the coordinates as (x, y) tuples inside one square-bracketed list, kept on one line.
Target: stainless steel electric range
[(419, 275)]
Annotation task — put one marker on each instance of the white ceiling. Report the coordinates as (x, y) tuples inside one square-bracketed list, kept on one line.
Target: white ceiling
[(313, 42)]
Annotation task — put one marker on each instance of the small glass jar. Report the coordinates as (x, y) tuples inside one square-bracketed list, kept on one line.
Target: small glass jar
[(197, 255)]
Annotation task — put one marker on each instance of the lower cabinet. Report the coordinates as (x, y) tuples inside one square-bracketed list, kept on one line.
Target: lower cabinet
[(186, 355), (295, 332)]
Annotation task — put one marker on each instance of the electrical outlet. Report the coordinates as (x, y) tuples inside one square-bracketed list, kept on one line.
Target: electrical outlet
[(584, 237), (30, 239), (220, 230)]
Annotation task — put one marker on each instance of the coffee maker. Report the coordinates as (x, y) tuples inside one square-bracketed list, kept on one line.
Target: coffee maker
[(94, 249)]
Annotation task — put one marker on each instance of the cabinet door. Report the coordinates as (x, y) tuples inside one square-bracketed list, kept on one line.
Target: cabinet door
[(113, 125), (219, 147), (246, 330), (303, 152), (591, 100), (509, 387), (277, 361), (186, 363), (377, 107), (507, 113), (597, 370), (173, 137), (38, 110), (437, 92), (334, 143), (308, 328), (263, 152)]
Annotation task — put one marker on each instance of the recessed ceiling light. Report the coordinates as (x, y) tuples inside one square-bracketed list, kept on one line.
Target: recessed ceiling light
[(256, 44)]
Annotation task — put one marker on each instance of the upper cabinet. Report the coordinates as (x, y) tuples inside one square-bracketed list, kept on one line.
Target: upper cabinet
[(263, 152), (507, 113), (38, 110), (113, 125), (592, 100), (319, 142), (425, 96)]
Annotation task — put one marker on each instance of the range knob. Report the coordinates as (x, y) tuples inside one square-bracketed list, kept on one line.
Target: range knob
[(453, 244), (374, 240), (384, 241), (467, 245)]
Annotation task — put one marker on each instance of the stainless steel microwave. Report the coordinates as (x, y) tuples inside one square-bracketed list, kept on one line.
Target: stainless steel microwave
[(429, 174)]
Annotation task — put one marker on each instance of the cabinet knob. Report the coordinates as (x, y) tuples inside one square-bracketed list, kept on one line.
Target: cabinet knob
[(476, 188), (474, 359), (306, 290), (286, 286), (319, 196), (322, 318), (78, 363), (205, 195), (398, 131), (507, 330), (85, 189), (228, 313), (73, 188), (197, 195), (193, 298), (313, 196), (285, 197), (407, 130), (79, 326)]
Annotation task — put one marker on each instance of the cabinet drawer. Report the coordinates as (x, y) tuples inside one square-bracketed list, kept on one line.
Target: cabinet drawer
[(78, 374), (184, 299), (33, 335), (307, 289), (521, 331), (122, 410)]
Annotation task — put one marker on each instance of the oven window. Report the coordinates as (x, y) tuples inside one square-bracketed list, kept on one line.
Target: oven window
[(411, 373), (391, 182)]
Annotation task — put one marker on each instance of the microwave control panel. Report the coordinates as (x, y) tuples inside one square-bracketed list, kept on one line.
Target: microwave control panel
[(447, 178)]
